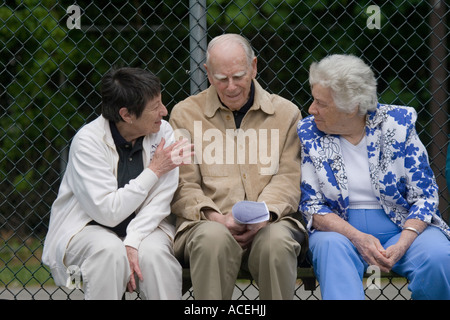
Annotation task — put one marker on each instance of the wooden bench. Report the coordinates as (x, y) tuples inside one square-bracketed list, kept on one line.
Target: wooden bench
[(306, 274)]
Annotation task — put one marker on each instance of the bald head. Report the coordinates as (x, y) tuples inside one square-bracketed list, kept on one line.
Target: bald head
[(229, 39), (231, 67)]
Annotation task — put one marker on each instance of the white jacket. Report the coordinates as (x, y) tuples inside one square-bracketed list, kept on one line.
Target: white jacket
[(89, 191)]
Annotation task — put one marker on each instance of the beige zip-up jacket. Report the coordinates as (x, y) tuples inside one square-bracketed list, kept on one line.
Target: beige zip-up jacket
[(258, 162)]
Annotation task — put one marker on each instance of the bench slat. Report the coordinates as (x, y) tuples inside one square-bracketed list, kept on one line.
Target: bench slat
[(305, 274)]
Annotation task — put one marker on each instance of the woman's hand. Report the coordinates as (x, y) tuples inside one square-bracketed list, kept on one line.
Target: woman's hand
[(367, 245), (372, 251), (395, 252), (167, 159), (133, 260)]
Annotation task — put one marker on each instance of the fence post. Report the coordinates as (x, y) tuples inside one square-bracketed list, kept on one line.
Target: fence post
[(197, 44), (439, 101)]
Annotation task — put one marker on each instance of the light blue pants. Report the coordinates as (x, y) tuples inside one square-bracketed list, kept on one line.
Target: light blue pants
[(340, 268)]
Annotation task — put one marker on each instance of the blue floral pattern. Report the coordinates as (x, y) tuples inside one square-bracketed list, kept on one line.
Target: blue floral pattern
[(401, 177)]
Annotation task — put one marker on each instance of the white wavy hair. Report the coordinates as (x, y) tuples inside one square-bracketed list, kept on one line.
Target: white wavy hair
[(351, 81)]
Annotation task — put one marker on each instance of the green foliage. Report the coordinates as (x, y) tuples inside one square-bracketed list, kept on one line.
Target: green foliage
[(23, 263), (49, 84), (290, 35)]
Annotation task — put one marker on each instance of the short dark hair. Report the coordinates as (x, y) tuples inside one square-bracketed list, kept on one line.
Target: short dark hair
[(128, 87)]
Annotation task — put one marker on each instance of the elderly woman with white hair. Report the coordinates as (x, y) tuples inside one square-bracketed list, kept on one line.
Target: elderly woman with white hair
[(369, 196)]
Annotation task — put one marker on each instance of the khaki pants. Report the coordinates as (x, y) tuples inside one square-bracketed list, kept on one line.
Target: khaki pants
[(214, 258), (102, 259)]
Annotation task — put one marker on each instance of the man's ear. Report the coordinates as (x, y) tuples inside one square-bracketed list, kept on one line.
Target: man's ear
[(254, 67), (207, 73), (126, 116)]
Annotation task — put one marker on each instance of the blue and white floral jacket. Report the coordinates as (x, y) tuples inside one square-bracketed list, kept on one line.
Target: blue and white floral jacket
[(401, 177)]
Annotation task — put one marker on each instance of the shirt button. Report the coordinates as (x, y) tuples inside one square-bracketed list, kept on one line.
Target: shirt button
[(131, 159)]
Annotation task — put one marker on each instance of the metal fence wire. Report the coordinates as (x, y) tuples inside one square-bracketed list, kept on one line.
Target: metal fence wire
[(54, 53)]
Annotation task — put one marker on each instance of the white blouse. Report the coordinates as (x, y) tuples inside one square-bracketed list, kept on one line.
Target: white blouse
[(360, 193)]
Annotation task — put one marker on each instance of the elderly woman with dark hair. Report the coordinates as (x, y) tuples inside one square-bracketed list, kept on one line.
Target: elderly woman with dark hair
[(111, 220), (369, 196)]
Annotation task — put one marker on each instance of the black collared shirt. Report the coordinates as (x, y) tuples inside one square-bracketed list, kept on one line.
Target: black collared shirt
[(130, 157), (129, 167)]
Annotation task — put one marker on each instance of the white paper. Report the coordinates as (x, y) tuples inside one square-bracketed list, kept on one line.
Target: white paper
[(250, 212)]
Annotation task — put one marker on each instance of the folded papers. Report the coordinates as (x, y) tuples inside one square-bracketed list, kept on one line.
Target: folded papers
[(250, 212)]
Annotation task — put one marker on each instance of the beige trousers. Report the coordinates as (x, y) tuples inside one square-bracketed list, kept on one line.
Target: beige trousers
[(102, 259), (214, 258)]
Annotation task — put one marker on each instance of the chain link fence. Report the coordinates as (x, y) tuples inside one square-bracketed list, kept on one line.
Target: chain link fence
[(54, 53)]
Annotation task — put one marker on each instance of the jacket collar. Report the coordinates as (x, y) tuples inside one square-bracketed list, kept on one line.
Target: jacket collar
[(261, 101), (106, 131), (375, 117)]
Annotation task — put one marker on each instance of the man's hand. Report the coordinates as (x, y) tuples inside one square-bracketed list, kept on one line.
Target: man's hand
[(245, 239), (227, 220), (242, 233)]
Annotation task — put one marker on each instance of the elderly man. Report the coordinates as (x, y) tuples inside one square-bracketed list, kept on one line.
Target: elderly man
[(246, 149)]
